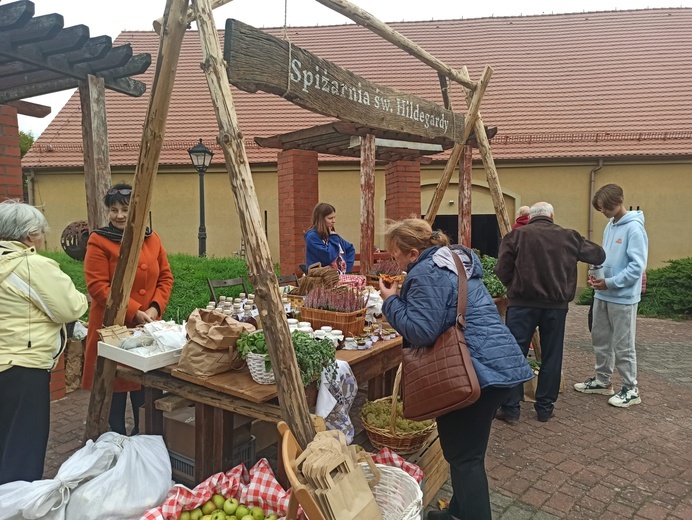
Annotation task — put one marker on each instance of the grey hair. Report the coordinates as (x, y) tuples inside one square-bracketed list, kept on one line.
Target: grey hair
[(541, 209), (19, 221)]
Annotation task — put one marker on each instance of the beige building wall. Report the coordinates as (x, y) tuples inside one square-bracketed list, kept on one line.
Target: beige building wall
[(661, 190)]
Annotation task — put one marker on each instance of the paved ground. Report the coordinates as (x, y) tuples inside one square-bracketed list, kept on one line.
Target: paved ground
[(591, 461)]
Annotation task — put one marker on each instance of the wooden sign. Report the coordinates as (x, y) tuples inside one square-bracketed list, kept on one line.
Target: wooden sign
[(258, 61)]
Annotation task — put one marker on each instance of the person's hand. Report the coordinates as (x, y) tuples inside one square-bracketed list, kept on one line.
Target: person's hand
[(386, 292), (153, 313), (332, 231), (142, 317), (598, 284)]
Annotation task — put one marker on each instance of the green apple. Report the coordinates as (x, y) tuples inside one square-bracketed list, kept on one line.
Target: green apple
[(206, 517), (230, 505), (271, 517), (241, 512), (184, 515), (247, 517), (218, 501), (196, 514), (257, 513), (208, 507), (218, 515)]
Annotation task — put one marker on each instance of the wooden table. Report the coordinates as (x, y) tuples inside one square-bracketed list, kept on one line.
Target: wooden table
[(218, 397)]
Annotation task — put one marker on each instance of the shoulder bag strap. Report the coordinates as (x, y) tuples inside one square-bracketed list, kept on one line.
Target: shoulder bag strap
[(463, 290)]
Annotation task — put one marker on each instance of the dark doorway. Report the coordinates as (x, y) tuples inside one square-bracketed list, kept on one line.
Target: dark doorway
[(485, 232)]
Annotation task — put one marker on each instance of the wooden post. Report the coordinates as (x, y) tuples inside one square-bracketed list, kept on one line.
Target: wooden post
[(140, 201), (292, 399), (465, 173), (189, 16), (367, 203), (97, 167)]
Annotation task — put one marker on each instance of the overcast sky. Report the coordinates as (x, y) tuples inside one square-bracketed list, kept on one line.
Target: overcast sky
[(115, 16)]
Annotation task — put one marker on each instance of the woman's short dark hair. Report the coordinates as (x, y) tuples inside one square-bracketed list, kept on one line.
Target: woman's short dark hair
[(118, 194)]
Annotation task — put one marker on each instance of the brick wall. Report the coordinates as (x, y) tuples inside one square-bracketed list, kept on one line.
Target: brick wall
[(402, 182), (10, 156), (57, 380), (298, 195)]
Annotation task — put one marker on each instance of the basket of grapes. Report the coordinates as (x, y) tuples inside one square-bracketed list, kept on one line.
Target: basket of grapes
[(386, 426)]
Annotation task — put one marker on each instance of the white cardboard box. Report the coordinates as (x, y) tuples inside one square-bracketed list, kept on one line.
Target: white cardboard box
[(143, 363)]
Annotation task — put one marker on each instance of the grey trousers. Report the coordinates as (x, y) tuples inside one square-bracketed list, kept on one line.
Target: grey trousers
[(613, 335)]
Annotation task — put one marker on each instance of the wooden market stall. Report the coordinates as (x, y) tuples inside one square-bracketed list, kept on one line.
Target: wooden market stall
[(252, 60)]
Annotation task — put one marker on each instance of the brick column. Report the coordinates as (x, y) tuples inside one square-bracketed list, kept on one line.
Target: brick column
[(10, 156), (402, 184), (298, 194), (57, 380)]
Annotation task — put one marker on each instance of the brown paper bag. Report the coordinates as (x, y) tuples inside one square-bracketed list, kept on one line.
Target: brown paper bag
[(212, 337)]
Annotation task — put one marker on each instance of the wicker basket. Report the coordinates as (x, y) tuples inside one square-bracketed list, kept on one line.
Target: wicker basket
[(350, 323), (401, 443), (397, 493), (258, 371)]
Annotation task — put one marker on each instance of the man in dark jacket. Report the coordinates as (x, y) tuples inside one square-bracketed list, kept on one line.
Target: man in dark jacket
[(538, 265)]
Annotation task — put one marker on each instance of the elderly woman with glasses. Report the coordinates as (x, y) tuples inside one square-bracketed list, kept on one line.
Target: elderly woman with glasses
[(148, 298), (36, 301)]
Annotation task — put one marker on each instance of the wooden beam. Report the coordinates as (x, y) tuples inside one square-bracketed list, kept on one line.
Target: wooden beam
[(96, 48), (355, 142), (190, 16), (97, 168), (294, 406), (127, 86), (365, 19), (35, 30), (15, 14), (465, 187), (474, 100), (68, 39), (140, 202), (259, 61), (367, 203), (26, 108)]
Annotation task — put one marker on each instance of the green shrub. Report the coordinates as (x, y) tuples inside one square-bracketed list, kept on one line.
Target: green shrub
[(190, 273), (490, 279), (668, 290), (585, 297)]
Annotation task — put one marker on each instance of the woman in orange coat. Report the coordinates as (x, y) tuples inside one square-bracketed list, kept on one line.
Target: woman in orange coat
[(148, 298)]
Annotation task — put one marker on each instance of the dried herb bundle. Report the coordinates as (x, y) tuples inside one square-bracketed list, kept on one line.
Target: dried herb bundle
[(335, 300), (388, 266)]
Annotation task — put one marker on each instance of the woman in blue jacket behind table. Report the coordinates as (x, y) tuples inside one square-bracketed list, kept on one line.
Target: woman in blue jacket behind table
[(426, 307), (324, 245)]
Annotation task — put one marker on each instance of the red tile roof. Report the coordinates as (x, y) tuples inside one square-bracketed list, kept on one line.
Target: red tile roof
[(565, 86)]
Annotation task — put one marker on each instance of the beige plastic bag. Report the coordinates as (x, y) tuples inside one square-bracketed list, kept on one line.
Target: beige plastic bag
[(212, 337)]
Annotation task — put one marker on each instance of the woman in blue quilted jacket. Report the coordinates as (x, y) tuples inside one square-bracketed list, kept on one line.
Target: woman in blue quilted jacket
[(424, 309)]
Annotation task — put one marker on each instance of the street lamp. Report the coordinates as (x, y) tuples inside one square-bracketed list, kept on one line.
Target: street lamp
[(201, 156)]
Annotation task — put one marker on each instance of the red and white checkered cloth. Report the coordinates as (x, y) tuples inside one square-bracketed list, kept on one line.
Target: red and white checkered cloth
[(389, 458), (258, 487)]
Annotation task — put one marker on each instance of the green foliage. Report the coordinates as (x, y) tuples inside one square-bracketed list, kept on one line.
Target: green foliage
[(190, 273), (585, 297), (490, 279), (312, 354), (668, 291), (26, 139)]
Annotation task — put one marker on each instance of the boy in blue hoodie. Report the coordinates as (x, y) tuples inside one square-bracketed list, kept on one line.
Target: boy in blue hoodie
[(616, 297)]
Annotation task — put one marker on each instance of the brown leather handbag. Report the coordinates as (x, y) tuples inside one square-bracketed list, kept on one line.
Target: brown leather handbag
[(440, 379)]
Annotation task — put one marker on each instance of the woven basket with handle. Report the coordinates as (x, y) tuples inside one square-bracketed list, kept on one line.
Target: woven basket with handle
[(401, 443)]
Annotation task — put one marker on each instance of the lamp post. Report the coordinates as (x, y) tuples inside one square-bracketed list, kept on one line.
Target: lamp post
[(201, 156)]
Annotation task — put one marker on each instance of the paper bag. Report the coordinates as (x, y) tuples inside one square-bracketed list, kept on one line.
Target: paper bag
[(212, 337)]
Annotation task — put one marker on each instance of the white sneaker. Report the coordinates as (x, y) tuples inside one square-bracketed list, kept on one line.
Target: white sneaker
[(625, 398), (592, 386)]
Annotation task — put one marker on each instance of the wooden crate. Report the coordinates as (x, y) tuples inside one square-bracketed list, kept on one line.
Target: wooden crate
[(435, 467)]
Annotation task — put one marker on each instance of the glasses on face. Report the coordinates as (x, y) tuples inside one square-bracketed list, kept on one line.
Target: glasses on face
[(122, 191)]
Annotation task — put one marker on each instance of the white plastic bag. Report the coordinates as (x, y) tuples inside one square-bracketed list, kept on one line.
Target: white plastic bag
[(48, 498), (139, 480)]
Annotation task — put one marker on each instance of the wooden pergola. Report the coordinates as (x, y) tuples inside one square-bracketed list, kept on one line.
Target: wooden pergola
[(39, 55)]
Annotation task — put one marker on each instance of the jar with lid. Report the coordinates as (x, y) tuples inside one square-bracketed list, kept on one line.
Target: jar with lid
[(248, 317), (222, 298), (237, 312)]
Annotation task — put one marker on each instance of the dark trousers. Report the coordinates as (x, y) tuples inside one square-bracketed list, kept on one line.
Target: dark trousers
[(24, 423), (464, 438), (522, 322), (116, 419)]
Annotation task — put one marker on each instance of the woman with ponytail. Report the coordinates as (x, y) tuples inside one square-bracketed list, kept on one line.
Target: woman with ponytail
[(427, 307)]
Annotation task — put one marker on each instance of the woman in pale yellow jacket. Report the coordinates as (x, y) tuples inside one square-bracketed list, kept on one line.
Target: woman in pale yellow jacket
[(36, 301)]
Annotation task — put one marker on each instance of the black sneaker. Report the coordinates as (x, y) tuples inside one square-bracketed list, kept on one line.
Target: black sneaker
[(502, 415), (545, 417)]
